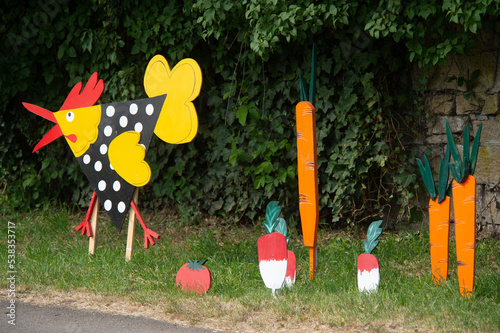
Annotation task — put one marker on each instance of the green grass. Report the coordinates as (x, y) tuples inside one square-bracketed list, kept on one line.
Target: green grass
[(51, 255)]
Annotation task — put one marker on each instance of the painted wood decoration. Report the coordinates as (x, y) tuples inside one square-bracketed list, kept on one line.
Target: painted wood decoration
[(278, 224), (110, 141), (273, 260), (464, 205), (194, 277), (277, 264), (439, 215), (307, 168), (462, 190), (368, 265), (291, 269)]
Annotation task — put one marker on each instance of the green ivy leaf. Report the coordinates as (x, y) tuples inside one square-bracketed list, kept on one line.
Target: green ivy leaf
[(241, 114)]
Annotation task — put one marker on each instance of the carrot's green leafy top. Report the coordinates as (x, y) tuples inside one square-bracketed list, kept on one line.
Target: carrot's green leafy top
[(427, 176), (196, 265), (374, 231), (475, 150), (273, 222), (444, 187), (464, 166), (303, 92), (312, 83)]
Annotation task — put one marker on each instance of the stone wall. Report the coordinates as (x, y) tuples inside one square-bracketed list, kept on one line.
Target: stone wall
[(446, 101)]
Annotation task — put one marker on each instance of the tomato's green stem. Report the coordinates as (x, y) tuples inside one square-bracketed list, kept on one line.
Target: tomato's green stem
[(196, 265)]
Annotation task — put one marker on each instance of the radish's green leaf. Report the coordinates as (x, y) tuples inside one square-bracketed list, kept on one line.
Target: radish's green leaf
[(273, 223), (374, 231), (272, 213), (281, 227)]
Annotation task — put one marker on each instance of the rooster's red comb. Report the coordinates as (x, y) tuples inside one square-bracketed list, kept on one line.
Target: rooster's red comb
[(90, 94)]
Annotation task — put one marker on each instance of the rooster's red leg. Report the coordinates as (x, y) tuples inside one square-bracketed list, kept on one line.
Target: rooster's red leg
[(85, 225), (148, 234)]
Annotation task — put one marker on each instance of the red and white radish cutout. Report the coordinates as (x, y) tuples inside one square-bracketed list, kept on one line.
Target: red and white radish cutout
[(277, 264), (368, 265), (368, 272), (273, 260), (291, 269)]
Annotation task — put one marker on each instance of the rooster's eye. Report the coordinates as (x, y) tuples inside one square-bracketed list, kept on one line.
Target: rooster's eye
[(70, 116)]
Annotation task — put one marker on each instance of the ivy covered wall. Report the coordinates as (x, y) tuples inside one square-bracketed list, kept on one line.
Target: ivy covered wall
[(251, 53)]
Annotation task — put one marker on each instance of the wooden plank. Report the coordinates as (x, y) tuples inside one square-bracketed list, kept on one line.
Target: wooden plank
[(131, 229), (93, 226)]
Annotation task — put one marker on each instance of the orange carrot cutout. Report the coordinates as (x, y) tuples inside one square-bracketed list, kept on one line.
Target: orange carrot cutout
[(308, 178), (307, 165), (464, 204), (439, 216), (439, 230)]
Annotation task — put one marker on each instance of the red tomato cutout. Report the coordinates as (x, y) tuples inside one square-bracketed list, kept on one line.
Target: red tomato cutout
[(194, 277)]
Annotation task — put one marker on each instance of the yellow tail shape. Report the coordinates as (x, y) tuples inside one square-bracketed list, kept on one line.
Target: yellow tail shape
[(178, 122)]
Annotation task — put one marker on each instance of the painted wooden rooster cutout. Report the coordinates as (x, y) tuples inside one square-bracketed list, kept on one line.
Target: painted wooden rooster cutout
[(110, 141)]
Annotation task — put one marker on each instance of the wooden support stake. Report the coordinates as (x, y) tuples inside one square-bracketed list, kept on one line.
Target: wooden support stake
[(312, 263), (131, 228), (93, 227)]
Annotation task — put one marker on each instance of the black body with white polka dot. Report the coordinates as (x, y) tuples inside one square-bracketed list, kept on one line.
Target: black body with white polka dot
[(113, 191)]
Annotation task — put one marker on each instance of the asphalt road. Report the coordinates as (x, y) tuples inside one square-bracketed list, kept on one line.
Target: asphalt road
[(30, 318)]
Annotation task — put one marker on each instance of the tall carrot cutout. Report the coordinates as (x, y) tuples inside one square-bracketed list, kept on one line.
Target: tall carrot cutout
[(464, 204), (439, 216), (307, 168)]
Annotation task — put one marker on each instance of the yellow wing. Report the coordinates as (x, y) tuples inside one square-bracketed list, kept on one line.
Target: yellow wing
[(178, 122), (126, 156)]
